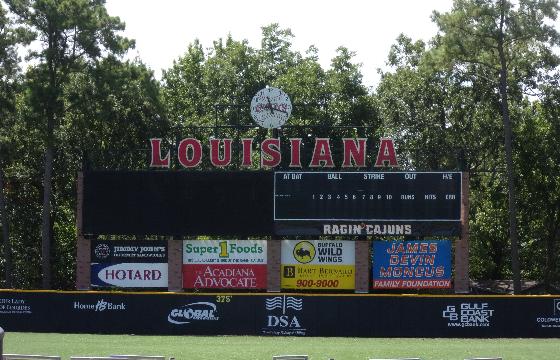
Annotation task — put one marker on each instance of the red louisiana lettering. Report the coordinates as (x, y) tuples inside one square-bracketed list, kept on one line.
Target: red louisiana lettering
[(190, 152), (295, 147), (270, 153), (215, 158), (322, 154), (386, 155), (192, 146), (247, 145), (412, 247), (385, 271), (354, 152), (157, 160)]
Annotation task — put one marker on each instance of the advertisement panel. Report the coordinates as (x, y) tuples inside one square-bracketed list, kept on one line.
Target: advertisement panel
[(129, 264), (411, 264), (318, 264), (285, 316), (454, 316), (224, 264)]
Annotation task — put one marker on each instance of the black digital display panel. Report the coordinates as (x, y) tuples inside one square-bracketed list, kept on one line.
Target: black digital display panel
[(178, 203), (367, 196), (265, 203)]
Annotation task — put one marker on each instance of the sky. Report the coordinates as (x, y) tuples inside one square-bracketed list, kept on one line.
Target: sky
[(164, 28)]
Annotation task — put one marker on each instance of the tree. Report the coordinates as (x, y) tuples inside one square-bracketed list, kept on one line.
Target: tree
[(538, 162), (275, 55), (10, 38), (432, 116), (347, 101), (183, 91), (71, 34), (507, 45), (305, 81), (112, 109)]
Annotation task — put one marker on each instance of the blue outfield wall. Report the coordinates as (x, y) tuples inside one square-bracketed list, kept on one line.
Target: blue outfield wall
[(280, 314)]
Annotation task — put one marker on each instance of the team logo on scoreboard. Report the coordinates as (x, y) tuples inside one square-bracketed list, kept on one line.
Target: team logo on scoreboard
[(304, 252)]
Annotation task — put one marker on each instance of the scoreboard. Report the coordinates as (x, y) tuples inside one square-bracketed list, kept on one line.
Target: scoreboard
[(366, 197), (247, 203)]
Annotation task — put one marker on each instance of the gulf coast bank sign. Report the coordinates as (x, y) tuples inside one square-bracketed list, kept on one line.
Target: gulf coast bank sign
[(190, 153)]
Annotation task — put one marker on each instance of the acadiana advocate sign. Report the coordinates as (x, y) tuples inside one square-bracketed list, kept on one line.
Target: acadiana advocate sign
[(318, 264), (129, 264), (224, 264), (412, 264)]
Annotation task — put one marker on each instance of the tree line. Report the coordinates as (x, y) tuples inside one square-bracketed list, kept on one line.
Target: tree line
[(481, 96)]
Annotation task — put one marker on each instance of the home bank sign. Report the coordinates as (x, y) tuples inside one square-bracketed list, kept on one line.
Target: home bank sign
[(270, 109)]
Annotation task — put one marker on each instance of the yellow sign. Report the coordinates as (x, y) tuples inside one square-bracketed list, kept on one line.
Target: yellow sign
[(318, 264)]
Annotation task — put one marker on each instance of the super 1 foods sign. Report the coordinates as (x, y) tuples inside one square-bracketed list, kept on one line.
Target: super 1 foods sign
[(224, 264)]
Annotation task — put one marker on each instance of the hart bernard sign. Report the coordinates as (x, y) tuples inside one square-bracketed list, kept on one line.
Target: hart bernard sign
[(318, 264), (190, 153)]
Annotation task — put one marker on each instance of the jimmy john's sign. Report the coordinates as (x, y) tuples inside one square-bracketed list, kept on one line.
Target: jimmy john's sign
[(129, 264)]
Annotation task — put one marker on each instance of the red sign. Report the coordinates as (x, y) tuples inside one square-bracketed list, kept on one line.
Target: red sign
[(224, 264), (224, 276), (190, 153)]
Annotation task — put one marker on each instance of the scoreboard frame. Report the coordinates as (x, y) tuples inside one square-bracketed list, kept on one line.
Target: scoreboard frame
[(385, 183)]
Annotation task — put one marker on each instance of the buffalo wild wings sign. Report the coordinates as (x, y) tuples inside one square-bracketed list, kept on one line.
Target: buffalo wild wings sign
[(318, 264)]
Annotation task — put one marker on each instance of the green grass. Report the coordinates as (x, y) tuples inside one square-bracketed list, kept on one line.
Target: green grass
[(262, 348)]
